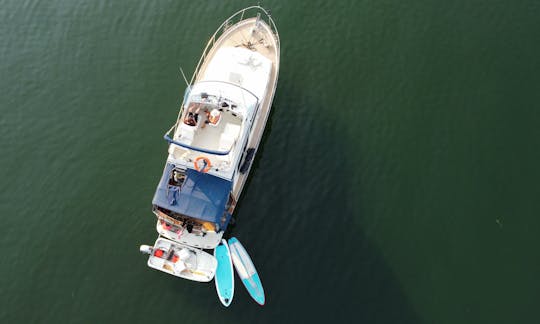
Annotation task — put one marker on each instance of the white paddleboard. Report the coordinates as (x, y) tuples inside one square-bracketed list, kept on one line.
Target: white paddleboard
[(246, 271)]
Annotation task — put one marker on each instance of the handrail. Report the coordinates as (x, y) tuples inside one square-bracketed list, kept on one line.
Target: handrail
[(189, 147), (230, 83), (226, 24)]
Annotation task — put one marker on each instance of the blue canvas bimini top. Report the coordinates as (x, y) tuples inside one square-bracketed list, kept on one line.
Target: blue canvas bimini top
[(201, 196)]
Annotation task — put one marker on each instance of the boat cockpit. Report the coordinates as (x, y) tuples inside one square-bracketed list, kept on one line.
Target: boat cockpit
[(213, 126), (210, 124)]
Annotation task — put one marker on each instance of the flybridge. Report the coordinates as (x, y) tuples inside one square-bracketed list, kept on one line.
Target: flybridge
[(214, 123)]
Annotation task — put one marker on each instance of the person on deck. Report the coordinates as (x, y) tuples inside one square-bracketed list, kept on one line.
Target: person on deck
[(214, 116), (192, 116)]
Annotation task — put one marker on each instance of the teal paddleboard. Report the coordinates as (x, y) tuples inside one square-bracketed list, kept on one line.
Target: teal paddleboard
[(246, 271), (224, 274)]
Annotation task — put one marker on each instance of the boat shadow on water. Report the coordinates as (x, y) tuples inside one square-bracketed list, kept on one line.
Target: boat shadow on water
[(299, 223)]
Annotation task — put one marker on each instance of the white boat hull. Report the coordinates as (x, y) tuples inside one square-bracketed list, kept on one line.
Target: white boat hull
[(167, 256)]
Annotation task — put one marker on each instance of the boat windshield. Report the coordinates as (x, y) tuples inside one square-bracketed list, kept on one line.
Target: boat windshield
[(223, 96)]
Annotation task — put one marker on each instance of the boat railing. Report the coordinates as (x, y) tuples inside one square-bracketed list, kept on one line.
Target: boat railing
[(256, 11), (169, 139), (252, 11)]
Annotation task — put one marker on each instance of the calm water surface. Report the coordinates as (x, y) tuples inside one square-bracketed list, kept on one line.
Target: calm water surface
[(397, 181)]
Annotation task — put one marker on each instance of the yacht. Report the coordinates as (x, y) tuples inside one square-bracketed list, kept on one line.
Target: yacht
[(214, 140)]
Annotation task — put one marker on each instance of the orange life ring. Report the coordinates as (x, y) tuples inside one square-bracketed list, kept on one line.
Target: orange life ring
[(207, 166)]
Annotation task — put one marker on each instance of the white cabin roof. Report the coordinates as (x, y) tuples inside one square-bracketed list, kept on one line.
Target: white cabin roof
[(240, 66)]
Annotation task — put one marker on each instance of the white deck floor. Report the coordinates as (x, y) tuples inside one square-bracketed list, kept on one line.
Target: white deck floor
[(208, 136)]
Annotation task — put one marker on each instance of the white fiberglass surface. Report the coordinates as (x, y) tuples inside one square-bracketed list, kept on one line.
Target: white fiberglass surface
[(240, 66), (217, 92), (242, 262), (209, 241), (209, 136)]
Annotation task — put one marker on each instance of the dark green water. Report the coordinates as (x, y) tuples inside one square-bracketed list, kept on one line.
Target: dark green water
[(397, 181)]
